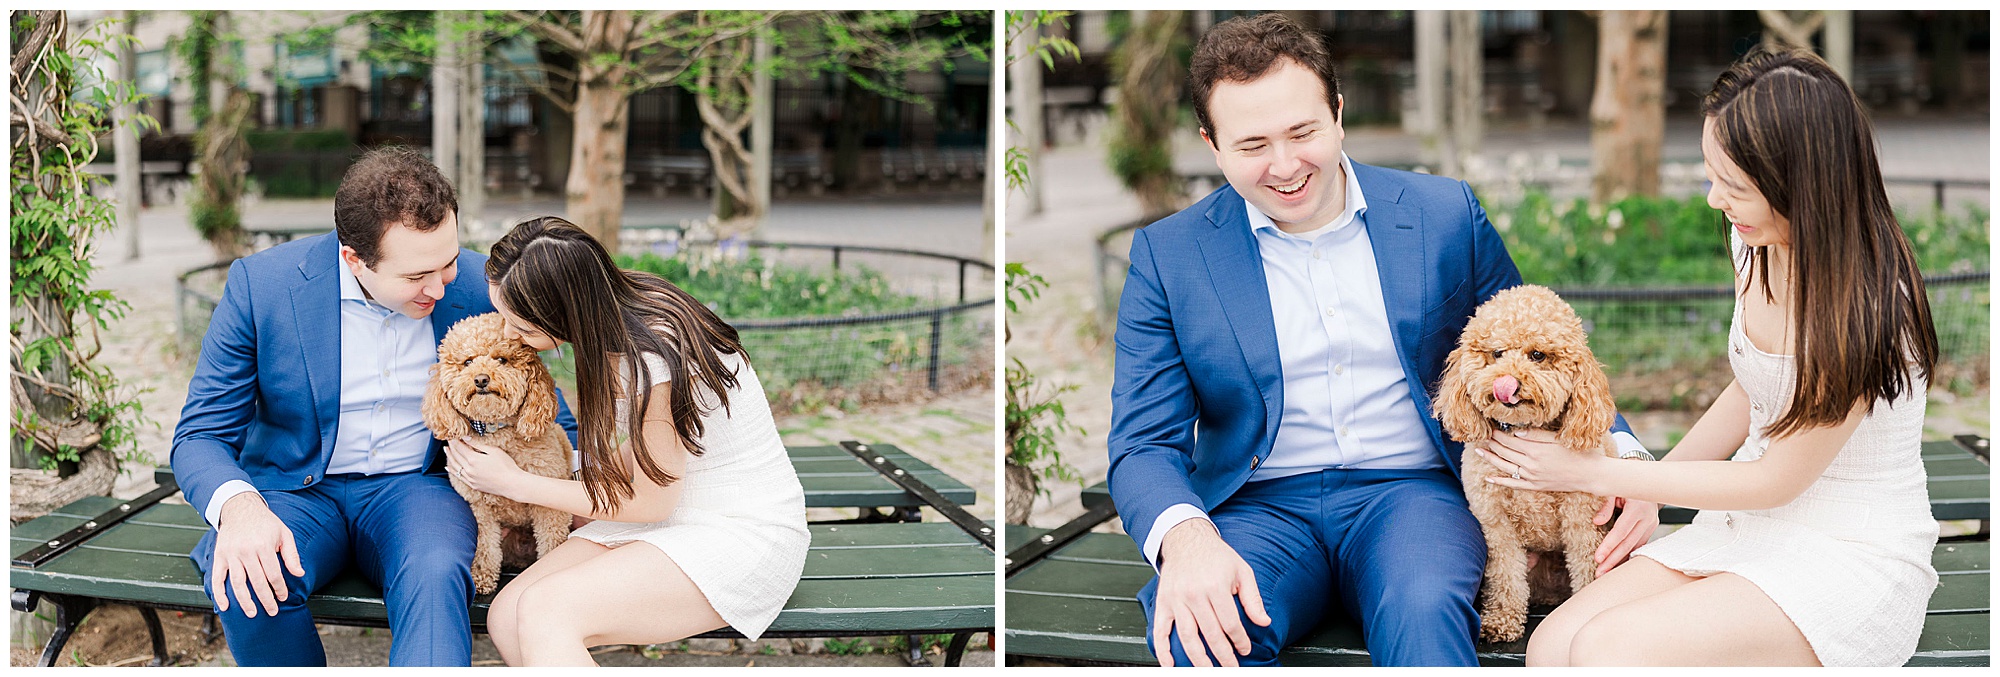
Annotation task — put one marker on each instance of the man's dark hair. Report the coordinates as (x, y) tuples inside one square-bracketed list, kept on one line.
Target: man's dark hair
[(390, 185), (1247, 47)]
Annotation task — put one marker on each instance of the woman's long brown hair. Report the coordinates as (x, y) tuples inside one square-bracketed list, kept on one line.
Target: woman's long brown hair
[(1861, 320), (557, 277)]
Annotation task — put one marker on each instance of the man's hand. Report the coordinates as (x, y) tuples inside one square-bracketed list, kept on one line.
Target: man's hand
[(1634, 528), (1200, 579), (249, 542)]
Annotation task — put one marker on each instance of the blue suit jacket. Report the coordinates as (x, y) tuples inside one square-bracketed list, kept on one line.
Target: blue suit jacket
[(265, 398), (1198, 350)]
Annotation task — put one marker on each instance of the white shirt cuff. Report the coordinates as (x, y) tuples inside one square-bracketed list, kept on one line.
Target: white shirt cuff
[(222, 494), (1627, 443), (1168, 519)]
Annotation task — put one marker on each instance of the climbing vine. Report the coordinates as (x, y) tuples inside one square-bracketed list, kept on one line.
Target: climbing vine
[(65, 406)]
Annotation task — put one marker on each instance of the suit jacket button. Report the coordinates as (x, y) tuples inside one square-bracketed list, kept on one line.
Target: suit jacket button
[(1254, 461), (309, 481)]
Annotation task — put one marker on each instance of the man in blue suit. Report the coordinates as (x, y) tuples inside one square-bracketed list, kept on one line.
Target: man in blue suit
[(1271, 439), (303, 443)]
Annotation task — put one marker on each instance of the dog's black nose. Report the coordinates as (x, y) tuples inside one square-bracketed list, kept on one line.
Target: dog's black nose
[(480, 381)]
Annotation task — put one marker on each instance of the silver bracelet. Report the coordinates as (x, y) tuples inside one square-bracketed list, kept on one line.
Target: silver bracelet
[(1637, 454)]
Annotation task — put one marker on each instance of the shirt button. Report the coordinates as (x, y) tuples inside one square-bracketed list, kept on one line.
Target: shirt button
[(385, 373), (1344, 432), (1329, 312), (1315, 255), (378, 407), (1338, 370)]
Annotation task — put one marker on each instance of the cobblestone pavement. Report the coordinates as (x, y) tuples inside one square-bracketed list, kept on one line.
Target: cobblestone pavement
[(1058, 338)]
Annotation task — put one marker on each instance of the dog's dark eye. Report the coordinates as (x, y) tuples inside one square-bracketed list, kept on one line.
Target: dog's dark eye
[(501, 360), (1498, 353), (1535, 355), (466, 363)]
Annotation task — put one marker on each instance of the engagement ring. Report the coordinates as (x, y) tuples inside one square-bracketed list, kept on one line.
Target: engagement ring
[(1517, 472)]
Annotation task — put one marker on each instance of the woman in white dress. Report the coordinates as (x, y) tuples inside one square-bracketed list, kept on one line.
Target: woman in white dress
[(699, 519), (1814, 538)]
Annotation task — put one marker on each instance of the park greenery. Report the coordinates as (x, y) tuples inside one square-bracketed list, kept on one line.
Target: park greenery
[(69, 413), (809, 368), (1035, 417)]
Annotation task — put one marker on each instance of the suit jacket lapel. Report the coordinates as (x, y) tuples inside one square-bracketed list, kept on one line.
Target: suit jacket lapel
[(1237, 272), (316, 313), (1398, 242)]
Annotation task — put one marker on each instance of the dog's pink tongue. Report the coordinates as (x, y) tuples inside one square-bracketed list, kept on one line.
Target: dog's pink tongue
[(1504, 387)]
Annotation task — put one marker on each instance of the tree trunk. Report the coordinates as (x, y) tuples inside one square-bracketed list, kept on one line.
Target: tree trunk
[(1627, 109), (1022, 485), (1427, 117), (1024, 84), (1149, 87), (1468, 109), (125, 141), (723, 98), (595, 191)]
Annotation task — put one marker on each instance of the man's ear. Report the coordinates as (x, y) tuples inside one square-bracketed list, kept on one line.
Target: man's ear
[(353, 260), (1339, 104), (1205, 137)]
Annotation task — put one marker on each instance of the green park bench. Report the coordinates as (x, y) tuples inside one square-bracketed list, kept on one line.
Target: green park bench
[(878, 574), (1071, 592)]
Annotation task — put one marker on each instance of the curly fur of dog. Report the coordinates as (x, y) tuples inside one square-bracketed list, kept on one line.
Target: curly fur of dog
[(482, 376), (1530, 334)]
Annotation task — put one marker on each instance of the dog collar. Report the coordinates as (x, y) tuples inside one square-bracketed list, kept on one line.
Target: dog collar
[(482, 428)]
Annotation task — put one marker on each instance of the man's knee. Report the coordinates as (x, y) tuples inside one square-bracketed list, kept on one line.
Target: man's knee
[(1264, 647)]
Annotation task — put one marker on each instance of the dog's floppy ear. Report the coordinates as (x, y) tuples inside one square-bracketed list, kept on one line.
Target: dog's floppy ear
[(444, 421), (1590, 409), (538, 408), (1453, 405)]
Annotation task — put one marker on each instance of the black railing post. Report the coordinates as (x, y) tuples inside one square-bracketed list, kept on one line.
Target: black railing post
[(1938, 186), (961, 280), (836, 258), (937, 339)]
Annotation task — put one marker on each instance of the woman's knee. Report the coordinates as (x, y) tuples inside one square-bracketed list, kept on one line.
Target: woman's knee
[(1613, 637), (1548, 645)]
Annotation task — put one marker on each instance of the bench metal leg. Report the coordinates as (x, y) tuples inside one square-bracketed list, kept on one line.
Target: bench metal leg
[(915, 654), (159, 636), (955, 653), (211, 629), (69, 613)]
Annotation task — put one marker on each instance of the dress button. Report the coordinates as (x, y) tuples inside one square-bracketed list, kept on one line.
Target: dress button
[(1739, 349)]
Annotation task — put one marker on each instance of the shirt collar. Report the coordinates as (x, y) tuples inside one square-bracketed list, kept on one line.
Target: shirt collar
[(1356, 205)]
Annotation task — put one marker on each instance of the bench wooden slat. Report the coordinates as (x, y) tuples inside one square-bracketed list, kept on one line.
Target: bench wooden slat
[(1078, 604), (916, 577)]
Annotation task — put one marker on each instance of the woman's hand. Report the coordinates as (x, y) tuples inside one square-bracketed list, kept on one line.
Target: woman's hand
[(1532, 460), (483, 467), (1636, 521)]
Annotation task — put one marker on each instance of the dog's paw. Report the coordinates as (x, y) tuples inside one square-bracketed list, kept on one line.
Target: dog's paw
[(486, 581), (1494, 628)]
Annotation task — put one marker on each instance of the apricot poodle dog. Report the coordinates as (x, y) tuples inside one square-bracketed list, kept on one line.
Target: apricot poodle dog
[(498, 392), (1523, 362)]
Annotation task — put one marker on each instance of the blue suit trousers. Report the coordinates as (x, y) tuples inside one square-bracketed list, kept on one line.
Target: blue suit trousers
[(409, 533), (1396, 550)]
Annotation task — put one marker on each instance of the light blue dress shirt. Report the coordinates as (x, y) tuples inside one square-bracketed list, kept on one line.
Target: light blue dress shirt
[(385, 362)]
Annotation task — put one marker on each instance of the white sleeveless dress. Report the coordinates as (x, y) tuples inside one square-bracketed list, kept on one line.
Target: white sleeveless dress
[(1849, 560), (739, 531)]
